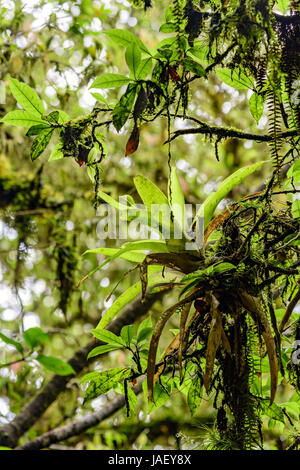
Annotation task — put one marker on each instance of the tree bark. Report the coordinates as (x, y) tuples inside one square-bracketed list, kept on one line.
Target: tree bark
[(77, 427)]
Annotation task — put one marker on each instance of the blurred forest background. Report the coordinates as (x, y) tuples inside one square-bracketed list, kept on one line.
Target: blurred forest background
[(48, 220)]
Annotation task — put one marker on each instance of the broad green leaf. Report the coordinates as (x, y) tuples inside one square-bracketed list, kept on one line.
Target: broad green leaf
[(292, 408), (40, 143), (133, 256), (36, 130), (22, 119), (99, 98), (102, 382), (194, 394), (210, 204), (14, 343), (123, 108), (296, 209), (144, 330), (144, 69), (127, 333), (176, 199), (161, 393), (132, 400), (133, 57), (35, 336), (63, 117), (168, 28), (149, 192), (236, 79), (53, 117), (55, 365), (283, 5), (108, 337), (274, 411), (56, 153), (125, 38), (26, 97), (200, 52), (194, 67), (102, 350), (144, 333), (294, 171), (256, 106), (110, 80), (155, 277)]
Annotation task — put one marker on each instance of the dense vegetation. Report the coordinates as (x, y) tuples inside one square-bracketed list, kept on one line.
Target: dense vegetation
[(184, 332)]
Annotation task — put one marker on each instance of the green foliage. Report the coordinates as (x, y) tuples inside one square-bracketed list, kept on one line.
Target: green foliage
[(55, 365), (223, 330)]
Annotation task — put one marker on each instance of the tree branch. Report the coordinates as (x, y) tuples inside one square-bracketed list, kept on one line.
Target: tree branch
[(10, 433), (77, 427), (226, 132)]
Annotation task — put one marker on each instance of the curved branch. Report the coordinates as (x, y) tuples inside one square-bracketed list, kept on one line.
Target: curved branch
[(11, 432), (226, 132), (77, 427)]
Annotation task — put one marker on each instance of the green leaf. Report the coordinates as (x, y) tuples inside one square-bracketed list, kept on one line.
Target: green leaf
[(200, 52), (36, 130), (149, 192), (296, 209), (161, 394), (40, 143), (133, 256), (144, 69), (168, 28), (8, 340), (35, 336), (273, 411), (53, 117), (236, 79), (145, 329), (294, 171), (108, 337), (99, 98), (126, 297), (22, 119), (194, 394), (133, 57), (194, 67), (125, 38), (110, 80), (123, 108), (210, 204), (102, 382), (283, 5), (112, 202), (210, 271), (256, 106), (292, 408), (127, 333), (63, 117), (102, 350), (176, 199), (144, 333), (154, 245), (55, 365), (132, 400), (56, 153), (26, 97)]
